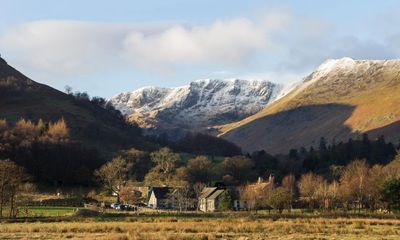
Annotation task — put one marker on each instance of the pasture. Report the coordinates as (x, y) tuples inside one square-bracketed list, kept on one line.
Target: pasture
[(117, 225)]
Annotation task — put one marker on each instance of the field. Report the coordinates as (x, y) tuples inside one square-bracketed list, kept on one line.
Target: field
[(202, 226), (45, 211)]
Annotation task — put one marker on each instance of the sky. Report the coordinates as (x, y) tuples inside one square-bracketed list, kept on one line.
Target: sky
[(107, 47)]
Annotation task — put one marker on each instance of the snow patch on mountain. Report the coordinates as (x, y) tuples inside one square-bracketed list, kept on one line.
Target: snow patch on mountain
[(200, 104)]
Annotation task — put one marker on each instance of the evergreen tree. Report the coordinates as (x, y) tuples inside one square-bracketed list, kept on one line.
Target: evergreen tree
[(225, 203), (322, 145), (391, 193)]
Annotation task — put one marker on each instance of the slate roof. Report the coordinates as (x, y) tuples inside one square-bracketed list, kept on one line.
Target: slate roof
[(207, 191), (216, 194)]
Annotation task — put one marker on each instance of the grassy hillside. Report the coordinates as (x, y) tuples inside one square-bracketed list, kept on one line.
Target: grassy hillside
[(345, 102), (20, 97)]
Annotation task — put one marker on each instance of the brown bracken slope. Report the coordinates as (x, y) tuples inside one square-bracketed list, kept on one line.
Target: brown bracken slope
[(21, 97), (341, 99)]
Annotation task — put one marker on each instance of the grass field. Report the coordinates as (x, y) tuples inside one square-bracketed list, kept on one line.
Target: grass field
[(45, 211), (201, 226)]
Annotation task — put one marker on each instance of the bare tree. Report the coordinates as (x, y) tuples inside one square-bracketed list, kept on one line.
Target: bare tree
[(68, 89), (375, 182), (183, 198), (353, 183), (198, 188), (12, 178), (255, 195), (114, 175), (308, 188), (289, 183)]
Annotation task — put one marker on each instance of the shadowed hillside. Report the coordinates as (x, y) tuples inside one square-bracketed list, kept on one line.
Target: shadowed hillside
[(370, 88), (298, 127), (94, 126)]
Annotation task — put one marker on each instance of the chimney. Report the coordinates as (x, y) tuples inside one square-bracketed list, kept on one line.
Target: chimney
[(260, 180), (271, 178)]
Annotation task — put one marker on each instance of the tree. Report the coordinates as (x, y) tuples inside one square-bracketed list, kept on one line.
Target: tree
[(68, 89), (239, 167), (183, 196), (333, 195), (197, 189), (225, 203), (3, 125), (393, 168), (374, 187), (203, 144), (12, 178), (321, 194), (163, 173), (391, 193), (308, 187), (199, 169), (264, 163), (165, 160), (279, 199), (140, 160), (254, 195), (128, 194), (58, 131), (114, 175), (289, 183), (353, 183), (322, 144)]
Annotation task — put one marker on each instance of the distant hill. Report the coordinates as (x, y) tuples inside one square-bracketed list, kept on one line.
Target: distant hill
[(341, 99), (91, 124), (195, 107)]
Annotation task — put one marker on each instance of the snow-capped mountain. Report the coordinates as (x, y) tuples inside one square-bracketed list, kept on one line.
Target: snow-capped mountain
[(343, 98), (200, 104)]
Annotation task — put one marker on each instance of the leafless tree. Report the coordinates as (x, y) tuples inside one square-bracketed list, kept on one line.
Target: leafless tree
[(353, 183), (12, 178), (308, 188), (114, 175)]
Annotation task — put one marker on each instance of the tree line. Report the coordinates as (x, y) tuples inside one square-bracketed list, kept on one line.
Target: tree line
[(47, 152), (356, 185)]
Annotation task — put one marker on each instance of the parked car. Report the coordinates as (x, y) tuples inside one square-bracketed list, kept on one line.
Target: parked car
[(115, 205), (125, 207)]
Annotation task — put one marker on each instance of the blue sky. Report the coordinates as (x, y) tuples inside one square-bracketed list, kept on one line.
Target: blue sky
[(107, 47)]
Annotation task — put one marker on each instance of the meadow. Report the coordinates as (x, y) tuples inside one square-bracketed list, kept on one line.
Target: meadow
[(172, 226)]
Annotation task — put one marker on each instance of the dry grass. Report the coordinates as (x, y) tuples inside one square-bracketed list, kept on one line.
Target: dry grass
[(202, 228)]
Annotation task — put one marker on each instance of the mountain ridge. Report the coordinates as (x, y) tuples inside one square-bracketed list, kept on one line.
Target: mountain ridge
[(198, 105), (363, 85)]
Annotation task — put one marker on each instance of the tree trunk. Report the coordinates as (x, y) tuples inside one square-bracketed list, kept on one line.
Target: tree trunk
[(11, 206), (1, 200)]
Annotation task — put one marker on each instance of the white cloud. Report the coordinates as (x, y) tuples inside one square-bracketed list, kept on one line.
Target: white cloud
[(228, 42), (75, 47), (69, 47), (284, 45)]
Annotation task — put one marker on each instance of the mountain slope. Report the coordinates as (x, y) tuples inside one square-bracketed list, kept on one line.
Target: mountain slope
[(341, 99), (197, 106), (20, 97)]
